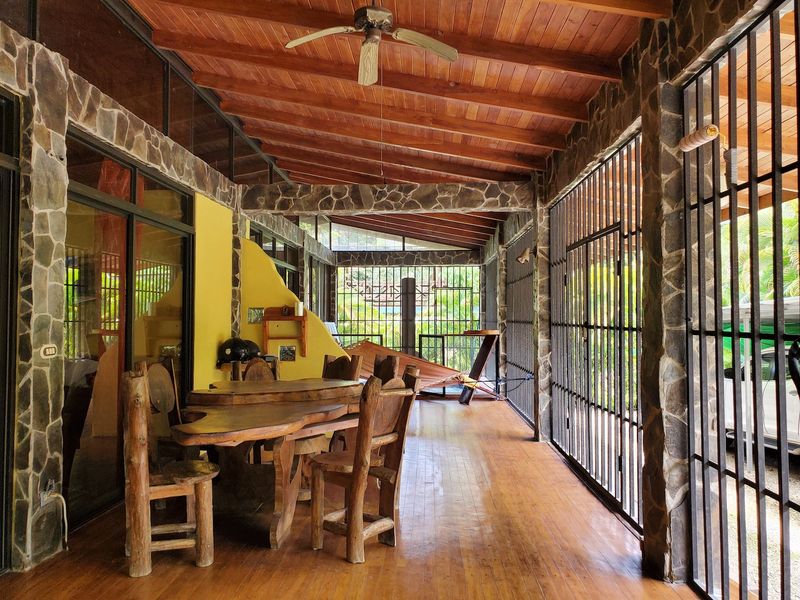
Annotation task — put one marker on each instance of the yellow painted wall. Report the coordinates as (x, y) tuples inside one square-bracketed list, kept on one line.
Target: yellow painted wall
[(212, 286), (262, 286)]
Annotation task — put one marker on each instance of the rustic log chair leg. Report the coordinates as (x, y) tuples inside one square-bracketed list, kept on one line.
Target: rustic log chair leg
[(317, 506), (191, 515), (127, 532), (205, 524), (355, 528), (387, 508)]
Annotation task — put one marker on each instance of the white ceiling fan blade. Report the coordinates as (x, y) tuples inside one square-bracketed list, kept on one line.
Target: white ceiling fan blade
[(368, 62), (427, 42), (320, 34)]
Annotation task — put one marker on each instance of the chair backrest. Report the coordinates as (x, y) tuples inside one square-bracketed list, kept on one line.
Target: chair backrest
[(257, 369), (386, 368), (163, 399), (383, 417), (342, 367)]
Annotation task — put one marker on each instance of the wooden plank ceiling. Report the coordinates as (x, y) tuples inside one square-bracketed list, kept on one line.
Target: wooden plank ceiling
[(525, 72)]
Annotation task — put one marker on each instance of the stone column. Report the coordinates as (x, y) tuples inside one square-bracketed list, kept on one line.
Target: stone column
[(42, 82), (239, 229), (502, 254), (542, 324), (665, 549)]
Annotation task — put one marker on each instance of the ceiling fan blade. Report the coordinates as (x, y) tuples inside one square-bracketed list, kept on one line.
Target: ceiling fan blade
[(320, 34), (427, 42), (368, 62)]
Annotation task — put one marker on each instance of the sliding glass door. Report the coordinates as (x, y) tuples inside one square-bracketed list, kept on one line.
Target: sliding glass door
[(125, 301)]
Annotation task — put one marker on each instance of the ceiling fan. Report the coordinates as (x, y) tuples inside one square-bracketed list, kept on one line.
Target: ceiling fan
[(375, 21)]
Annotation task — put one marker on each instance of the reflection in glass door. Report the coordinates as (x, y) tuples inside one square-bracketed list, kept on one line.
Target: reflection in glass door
[(127, 244), (94, 355), (158, 298)]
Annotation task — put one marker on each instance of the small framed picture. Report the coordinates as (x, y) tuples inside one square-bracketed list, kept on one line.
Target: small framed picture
[(288, 353)]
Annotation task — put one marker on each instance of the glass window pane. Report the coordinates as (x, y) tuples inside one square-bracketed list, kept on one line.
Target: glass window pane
[(345, 237), (181, 110), (309, 225), (89, 167), (160, 199), (105, 52), (324, 231), (158, 297), (249, 167), (94, 328), (211, 138), (15, 15)]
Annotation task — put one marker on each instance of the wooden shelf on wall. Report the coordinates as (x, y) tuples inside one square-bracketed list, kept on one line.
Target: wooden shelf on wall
[(276, 315)]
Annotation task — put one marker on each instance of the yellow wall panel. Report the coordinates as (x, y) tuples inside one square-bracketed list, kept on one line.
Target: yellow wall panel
[(262, 287), (213, 249)]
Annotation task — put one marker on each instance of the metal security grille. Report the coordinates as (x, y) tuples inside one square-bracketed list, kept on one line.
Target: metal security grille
[(595, 280), (743, 315), (520, 357), (447, 304), (75, 325), (153, 280)]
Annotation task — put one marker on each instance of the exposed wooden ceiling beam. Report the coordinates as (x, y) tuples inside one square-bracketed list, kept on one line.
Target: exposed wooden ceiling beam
[(341, 175), (470, 220), (349, 152), (486, 155), (437, 224), (389, 155), (366, 167), (377, 224), (763, 90), (368, 110), (315, 179), (557, 108), (492, 50), (645, 9), (445, 235)]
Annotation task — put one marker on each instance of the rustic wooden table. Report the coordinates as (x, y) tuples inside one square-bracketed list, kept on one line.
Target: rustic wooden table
[(233, 415)]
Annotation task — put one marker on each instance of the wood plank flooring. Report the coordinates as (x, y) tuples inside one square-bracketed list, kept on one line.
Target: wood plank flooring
[(485, 513)]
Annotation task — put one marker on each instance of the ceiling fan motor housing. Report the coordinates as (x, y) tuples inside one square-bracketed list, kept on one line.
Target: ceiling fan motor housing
[(373, 17)]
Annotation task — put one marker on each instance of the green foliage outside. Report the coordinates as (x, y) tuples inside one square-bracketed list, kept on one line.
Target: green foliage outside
[(448, 302)]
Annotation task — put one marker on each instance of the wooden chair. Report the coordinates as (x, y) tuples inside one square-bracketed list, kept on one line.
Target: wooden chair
[(342, 367), (386, 368), (378, 453), (190, 479), (257, 369)]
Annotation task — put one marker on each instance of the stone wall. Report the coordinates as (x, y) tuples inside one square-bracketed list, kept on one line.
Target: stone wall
[(294, 199), (53, 100), (41, 79)]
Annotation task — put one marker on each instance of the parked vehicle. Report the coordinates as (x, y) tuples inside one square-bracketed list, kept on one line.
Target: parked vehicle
[(768, 398)]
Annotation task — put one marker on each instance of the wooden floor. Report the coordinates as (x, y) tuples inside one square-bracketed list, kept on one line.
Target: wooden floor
[(485, 512)]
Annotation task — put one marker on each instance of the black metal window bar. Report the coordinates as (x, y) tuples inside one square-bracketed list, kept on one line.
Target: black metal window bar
[(595, 279), (520, 301), (743, 315), (447, 304)]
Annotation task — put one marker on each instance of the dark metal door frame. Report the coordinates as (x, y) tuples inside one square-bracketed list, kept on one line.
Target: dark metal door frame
[(595, 287), (9, 219)]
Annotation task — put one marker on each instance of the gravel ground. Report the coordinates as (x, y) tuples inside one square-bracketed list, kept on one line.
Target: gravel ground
[(773, 528)]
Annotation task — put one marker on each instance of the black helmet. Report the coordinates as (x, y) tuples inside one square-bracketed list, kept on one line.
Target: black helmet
[(231, 350), (252, 348)]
